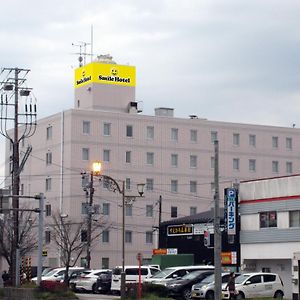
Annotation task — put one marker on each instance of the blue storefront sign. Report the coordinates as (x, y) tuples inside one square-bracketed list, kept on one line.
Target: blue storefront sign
[(231, 210)]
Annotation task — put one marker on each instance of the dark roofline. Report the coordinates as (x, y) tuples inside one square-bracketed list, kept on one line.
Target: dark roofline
[(203, 217)]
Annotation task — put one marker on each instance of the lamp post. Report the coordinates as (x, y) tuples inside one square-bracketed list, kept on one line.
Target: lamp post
[(112, 185)]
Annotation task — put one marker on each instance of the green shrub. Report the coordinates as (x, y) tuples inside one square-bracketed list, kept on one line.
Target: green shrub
[(149, 291)]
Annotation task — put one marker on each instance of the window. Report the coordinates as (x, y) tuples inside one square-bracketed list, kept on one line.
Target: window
[(289, 167), (236, 139), (105, 263), (83, 236), (86, 127), (174, 134), (150, 132), (193, 186), (174, 160), (174, 186), (236, 164), (255, 279), (150, 158), (173, 211), (275, 166), (275, 142), (22, 189), (294, 217), (127, 183), (213, 136), (289, 143), (193, 210), (252, 165), (105, 236), (268, 219), (106, 155), (49, 132), (106, 209), (212, 187), (269, 277), (193, 161), (252, 140), (84, 208), (193, 135), (212, 162), (128, 210), (47, 237), (128, 236), (128, 157), (129, 131), (149, 211), (48, 158), (107, 129), (149, 237), (85, 153), (149, 184), (48, 184), (48, 210)]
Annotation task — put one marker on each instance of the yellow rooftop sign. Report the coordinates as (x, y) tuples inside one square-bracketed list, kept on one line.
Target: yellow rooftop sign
[(105, 74)]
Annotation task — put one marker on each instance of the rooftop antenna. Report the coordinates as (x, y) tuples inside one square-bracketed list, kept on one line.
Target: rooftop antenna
[(82, 52)]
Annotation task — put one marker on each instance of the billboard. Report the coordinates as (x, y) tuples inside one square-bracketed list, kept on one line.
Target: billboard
[(104, 74), (230, 210)]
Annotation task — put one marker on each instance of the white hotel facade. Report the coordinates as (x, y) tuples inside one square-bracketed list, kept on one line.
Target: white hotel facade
[(173, 156)]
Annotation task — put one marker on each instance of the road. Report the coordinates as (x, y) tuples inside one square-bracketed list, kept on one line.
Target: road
[(96, 297)]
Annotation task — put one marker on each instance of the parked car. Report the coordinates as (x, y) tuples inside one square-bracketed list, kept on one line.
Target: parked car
[(206, 288), (132, 275), (252, 285), (57, 274), (181, 288), (87, 281), (171, 273), (104, 282)]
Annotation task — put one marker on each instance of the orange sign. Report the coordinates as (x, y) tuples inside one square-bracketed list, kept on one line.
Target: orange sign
[(228, 258), (159, 251)]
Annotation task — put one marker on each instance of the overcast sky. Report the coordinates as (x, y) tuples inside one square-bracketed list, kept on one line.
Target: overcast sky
[(227, 60)]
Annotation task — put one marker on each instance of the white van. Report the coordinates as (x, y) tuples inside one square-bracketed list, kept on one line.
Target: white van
[(170, 273), (132, 275)]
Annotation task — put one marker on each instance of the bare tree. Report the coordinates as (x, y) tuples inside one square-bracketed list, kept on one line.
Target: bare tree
[(27, 240), (67, 235)]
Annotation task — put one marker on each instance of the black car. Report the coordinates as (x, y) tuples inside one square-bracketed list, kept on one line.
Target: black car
[(104, 282), (181, 288)]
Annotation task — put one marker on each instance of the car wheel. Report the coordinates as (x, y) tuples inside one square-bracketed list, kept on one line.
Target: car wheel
[(278, 295), (210, 295), (186, 294), (94, 288), (240, 296)]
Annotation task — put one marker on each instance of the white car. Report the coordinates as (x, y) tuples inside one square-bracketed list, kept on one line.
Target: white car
[(87, 281), (206, 288), (253, 285), (57, 274), (171, 273)]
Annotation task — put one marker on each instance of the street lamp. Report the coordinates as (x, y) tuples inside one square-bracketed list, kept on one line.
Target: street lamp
[(112, 185)]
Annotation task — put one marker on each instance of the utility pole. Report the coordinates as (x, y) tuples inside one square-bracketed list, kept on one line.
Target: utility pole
[(89, 227), (24, 125), (217, 232)]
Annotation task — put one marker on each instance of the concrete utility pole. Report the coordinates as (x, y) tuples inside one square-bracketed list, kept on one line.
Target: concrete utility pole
[(11, 87), (217, 232)]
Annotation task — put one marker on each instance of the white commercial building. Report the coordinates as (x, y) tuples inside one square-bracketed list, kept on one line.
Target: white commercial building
[(173, 156), (270, 228)]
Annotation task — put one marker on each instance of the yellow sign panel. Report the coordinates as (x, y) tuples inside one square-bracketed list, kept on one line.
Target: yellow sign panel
[(105, 74)]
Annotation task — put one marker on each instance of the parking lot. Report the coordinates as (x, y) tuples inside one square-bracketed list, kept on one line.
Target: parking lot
[(82, 296)]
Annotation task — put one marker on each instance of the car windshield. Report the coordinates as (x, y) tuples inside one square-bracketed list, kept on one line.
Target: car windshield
[(52, 272), (241, 278), (46, 271), (191, 275), (163, 273), (208, 279)]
